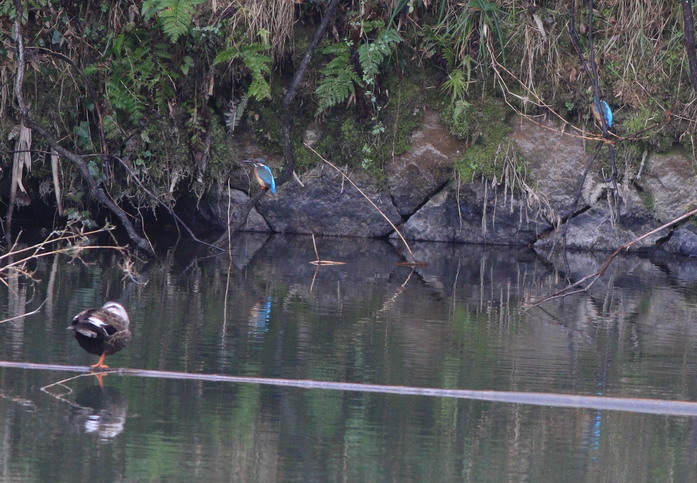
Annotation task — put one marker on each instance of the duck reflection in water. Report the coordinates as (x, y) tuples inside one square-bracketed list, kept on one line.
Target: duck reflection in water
[(100, 411)]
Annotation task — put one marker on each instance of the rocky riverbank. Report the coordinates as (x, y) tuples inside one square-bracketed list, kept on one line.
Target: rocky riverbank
[(525, 206)]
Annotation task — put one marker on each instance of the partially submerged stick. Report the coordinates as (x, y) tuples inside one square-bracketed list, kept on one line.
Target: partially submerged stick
[(318, 261), (632, 405)]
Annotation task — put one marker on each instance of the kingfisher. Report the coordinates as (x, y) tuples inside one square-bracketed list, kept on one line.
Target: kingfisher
[(263, 174), (607, 113)]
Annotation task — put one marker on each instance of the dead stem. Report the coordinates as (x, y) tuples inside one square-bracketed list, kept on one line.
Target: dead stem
[(16, 259)]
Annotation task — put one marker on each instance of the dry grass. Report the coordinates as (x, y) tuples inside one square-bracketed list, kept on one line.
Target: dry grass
[(268, 20)]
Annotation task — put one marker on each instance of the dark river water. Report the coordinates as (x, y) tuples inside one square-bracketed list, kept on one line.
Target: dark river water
[(459, 322)]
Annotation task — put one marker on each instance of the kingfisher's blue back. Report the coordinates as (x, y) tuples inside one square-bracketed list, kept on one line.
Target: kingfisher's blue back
[(265, 177)]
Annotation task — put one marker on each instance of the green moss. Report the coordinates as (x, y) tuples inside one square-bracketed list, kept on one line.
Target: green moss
[(222, 154), (484, 125), (648, 200), (640, 119)]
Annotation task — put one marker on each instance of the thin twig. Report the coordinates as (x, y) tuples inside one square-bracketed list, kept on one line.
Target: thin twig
[(36, 310), (318, 261)]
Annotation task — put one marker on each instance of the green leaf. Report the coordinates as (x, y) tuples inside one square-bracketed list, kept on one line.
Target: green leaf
[(187, 62), (372, 55), (226, 55), (258, 65), (118, 44), (176, 16), (82, 133)]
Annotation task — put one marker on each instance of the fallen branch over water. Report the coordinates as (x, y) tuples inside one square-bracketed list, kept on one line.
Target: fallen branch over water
[(632, 405)]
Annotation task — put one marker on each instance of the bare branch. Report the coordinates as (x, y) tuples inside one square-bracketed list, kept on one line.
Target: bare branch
[(295, 83), (578, 286)]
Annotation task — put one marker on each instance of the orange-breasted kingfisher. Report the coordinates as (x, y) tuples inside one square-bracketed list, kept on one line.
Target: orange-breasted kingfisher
[(263, 174), (607, 113)]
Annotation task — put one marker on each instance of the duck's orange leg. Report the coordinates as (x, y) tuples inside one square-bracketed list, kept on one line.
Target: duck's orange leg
[(100, 363)]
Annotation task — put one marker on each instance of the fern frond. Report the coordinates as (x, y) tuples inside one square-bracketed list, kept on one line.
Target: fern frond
[(175, 16), (340, 79), (258, 65), (226, 55), (371, 55)]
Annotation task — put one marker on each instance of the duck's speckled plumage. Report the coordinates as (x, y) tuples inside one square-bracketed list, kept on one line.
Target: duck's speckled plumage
[(102, 331)]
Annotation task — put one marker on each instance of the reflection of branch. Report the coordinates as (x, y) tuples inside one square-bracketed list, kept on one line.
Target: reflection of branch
[(389, 303), (632, 405), (61, 383), (578, 286)]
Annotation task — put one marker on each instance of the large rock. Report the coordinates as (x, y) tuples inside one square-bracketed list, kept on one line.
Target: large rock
[(682, 241), (599, 227), (329, 205), (475, 213), (554, 161), (421, 172), (669, 182), (595, 229)]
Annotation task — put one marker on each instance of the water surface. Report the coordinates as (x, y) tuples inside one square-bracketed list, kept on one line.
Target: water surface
[(456, 323)]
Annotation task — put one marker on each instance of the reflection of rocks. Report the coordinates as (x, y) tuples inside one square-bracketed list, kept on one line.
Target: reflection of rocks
[(366, 261), (245, 246), (100, 411)]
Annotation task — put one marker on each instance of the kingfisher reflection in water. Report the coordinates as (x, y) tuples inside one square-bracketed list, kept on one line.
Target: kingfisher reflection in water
[(259, 316)]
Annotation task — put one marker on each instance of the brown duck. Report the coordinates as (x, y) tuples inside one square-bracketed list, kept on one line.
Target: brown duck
[(102, 331)]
